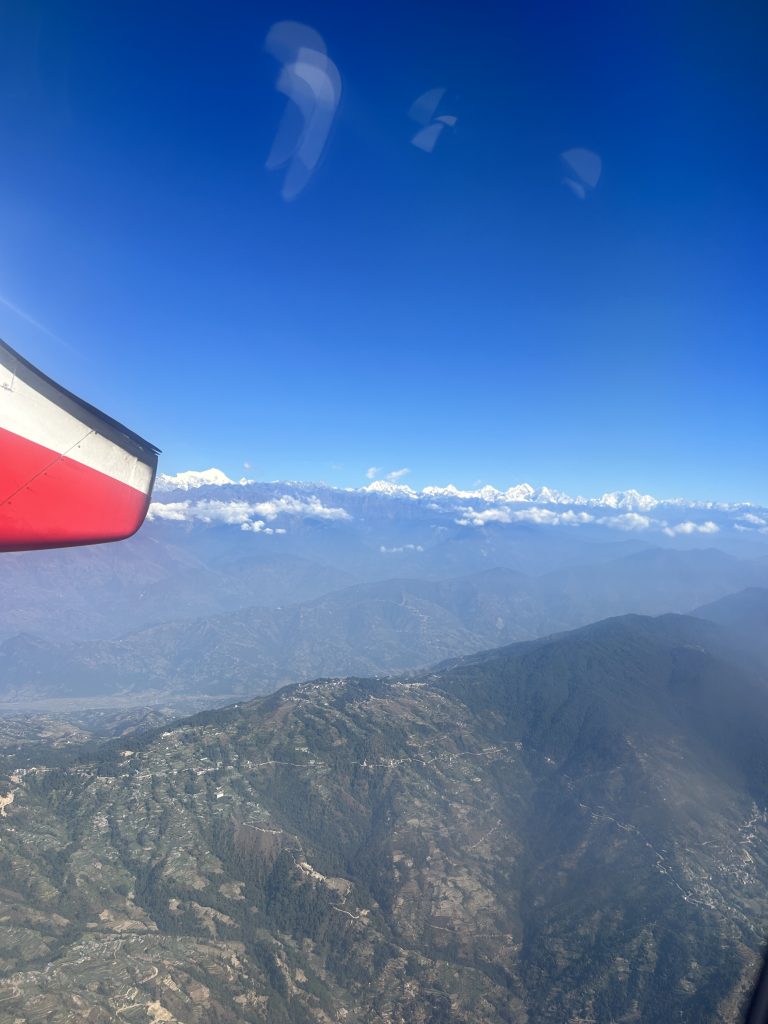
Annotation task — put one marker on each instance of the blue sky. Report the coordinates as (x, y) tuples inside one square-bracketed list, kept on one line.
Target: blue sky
[(460, 312)]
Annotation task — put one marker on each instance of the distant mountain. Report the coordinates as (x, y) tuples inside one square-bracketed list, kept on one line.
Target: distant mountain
[(191, 480), (267, 508), (214, 482), (375, 628), (215, 546), (648, 582), (109, 590), (565, 829), (745, 610), (746, 613), (366, 629)]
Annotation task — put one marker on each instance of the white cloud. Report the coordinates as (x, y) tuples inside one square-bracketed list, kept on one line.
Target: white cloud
[(547, 517), (259, 526), (247, 515), (535, 515), (626, 521), (398, 474), (398, 551), (632, 501), (571, 518), (752, 520), (471, 517), (211, 511), (372, 472), (177, 511), (541, 516), (690, 527), (232, 512), (288, 505)]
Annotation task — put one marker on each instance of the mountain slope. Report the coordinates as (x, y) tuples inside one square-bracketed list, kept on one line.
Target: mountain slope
[(366, 629), (108, 590), (563, 829), (647, 582), (746, 613)]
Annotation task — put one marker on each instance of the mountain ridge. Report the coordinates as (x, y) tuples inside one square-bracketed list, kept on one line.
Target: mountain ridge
[(368, 628), (576, 827)]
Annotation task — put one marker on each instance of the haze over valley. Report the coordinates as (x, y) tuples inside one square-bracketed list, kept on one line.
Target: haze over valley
[(234, 589)]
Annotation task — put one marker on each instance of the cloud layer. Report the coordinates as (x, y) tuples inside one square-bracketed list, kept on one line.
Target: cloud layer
[(251, 516), (277, 507)]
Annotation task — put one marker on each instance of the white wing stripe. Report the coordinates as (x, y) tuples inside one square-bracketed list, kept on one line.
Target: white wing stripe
[(27, 413)]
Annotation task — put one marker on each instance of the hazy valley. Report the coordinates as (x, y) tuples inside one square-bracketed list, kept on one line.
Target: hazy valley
[(353, 583)]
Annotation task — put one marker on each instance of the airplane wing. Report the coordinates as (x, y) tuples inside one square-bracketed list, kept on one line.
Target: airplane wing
[(69, 474)]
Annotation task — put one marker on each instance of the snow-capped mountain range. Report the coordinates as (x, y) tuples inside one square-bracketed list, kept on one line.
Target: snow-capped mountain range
[(210, 496)]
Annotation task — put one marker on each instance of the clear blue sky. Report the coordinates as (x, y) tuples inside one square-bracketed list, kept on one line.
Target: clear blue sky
[(461, 312)]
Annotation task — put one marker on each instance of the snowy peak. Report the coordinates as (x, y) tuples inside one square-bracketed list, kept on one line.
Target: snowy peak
[(489, 494), (389, 489), (210, 496), (486, 493), (191, 479)]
